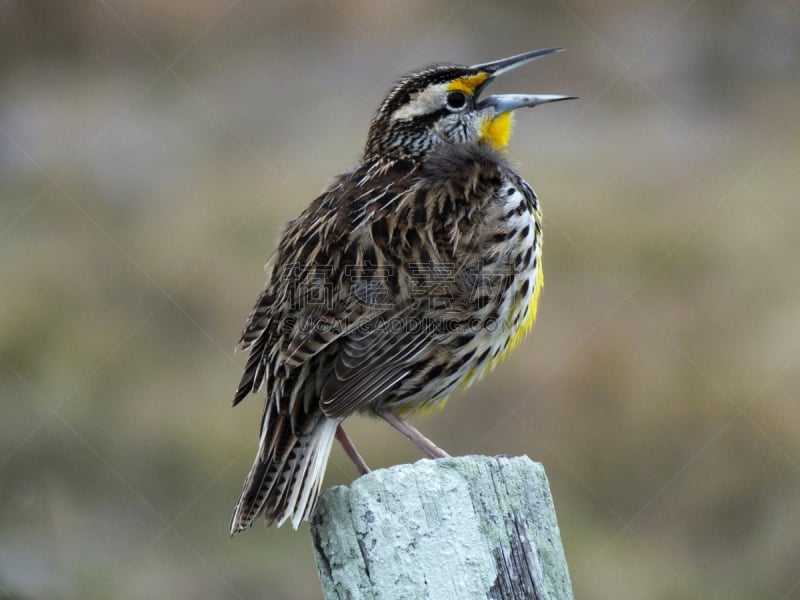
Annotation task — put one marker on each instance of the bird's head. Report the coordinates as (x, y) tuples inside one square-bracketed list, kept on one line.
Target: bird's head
[(443, 104)]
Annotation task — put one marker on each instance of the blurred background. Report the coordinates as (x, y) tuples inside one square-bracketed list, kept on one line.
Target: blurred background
[(149, 153)]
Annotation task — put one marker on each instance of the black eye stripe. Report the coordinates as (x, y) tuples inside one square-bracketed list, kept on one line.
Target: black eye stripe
[(430, 118)]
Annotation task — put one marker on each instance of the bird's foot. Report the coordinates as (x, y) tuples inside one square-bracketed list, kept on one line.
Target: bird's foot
[(423, 443), (350, 449)]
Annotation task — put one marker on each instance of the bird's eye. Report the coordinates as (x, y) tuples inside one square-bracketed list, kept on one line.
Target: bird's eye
[(456, 100)]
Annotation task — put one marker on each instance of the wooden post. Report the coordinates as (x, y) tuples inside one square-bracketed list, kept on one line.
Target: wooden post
[(447, 529)]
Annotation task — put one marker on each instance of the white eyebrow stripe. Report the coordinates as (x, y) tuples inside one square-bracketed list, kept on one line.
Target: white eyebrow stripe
[(423, 102)]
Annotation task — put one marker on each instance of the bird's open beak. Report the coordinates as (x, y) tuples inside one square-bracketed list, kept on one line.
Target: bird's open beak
[(503, 103)]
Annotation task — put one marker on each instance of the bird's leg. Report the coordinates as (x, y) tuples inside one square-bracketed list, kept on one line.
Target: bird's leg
[(412, 433), (350, 449)]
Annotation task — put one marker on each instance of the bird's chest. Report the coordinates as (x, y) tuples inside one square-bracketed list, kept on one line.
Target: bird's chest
[(511, 277), (484, 302)]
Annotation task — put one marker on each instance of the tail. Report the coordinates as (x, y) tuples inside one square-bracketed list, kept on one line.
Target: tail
[(286, 477)]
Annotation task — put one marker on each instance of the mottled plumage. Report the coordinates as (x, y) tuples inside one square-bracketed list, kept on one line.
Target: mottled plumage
[(413, 273)]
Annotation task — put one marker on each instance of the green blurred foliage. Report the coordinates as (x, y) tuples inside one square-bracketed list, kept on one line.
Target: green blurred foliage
[(149, 153)]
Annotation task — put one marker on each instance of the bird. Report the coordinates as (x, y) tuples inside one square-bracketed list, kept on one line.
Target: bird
[(414, 273)]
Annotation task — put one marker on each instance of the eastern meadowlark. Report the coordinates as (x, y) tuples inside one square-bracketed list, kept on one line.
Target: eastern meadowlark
[(415, 272)]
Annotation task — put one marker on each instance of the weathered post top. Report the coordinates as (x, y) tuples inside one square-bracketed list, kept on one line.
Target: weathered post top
[(455, 528)]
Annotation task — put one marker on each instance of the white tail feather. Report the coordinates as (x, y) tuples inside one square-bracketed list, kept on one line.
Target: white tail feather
[(310, 475)]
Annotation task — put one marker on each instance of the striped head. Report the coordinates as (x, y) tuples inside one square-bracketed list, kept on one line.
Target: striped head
[(443, 104)]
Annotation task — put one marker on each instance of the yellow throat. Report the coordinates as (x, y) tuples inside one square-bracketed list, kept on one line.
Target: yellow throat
[(497, 131)]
